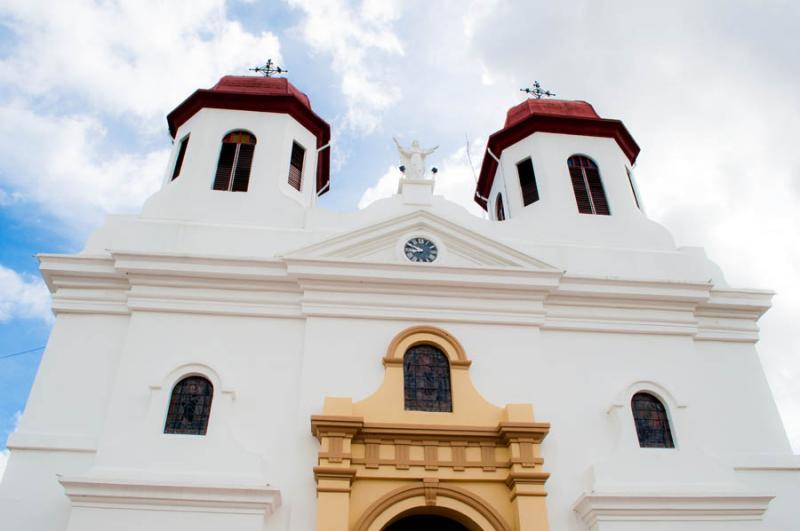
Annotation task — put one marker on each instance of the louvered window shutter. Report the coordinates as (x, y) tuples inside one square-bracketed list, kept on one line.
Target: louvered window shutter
[(222, 180), (581, 194), (587, 186), (235, 159), (633, 189), (499, 209), (241, 175), (179, 160), (296, 166), (527, 182)]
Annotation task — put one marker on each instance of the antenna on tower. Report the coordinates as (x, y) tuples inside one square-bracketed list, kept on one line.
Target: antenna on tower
[(268, 69), (537, 91)]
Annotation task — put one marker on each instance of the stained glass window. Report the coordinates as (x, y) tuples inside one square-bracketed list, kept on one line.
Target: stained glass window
[(190, 406), (652, 423), (426, 374)]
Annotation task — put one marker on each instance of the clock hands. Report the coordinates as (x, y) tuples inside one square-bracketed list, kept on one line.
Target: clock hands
[(415, 248)]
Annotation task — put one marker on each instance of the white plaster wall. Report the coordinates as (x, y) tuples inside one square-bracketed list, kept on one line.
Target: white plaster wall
[(105, 380), (269, 200)]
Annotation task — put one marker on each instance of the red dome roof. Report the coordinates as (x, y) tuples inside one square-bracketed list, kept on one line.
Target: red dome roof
[(262, 86), (260, 94), (576, 109), (548, 116)]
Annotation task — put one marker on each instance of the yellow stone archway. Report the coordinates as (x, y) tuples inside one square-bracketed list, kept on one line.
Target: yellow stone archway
[(378, 460)]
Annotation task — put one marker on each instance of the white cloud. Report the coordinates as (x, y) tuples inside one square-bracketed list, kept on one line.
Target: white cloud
[(357, 38), (131, 61), (77, 176), (455, 181), (130, 56), (23, 296), (385, 187)]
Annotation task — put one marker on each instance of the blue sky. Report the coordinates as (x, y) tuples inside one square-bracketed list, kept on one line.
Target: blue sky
[(709, 90)]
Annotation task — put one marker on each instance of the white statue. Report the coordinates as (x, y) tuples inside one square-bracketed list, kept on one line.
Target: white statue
[(414, 159)]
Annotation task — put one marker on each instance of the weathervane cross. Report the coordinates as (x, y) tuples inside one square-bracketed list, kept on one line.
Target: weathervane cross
[(537, 91), (268, 69)]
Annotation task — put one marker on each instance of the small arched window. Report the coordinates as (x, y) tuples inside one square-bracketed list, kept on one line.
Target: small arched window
[(190, 406), (426, 377), (652, 422), (499, 209), (588, 187), (235, 158)]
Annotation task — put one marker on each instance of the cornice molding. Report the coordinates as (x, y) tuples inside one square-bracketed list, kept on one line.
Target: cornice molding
[(297, 287), (120, 493), (594, 509)]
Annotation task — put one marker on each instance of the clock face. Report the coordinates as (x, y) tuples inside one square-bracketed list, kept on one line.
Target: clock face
[(420, 250)]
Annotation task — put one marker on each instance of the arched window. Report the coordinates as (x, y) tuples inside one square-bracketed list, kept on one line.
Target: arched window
[(588, 187), (190, 406), (235, 158), (426, 377), (499, 210), (652, 423)]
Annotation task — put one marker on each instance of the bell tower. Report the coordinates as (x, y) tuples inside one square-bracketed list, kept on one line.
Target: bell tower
[(565, 173), (249, 150)]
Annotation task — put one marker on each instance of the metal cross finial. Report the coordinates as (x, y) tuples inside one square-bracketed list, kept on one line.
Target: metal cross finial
[(537, 91), (268, 69)]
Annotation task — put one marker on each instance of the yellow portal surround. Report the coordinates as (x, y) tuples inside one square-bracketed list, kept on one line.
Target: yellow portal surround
[(478, 464)]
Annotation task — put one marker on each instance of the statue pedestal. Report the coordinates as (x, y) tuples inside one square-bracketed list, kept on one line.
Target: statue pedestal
[(416, 191)]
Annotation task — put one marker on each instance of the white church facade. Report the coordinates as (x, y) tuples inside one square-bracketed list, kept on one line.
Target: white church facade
[(237, 358)]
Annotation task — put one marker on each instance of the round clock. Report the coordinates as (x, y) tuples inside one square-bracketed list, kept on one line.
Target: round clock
[(420, 250)]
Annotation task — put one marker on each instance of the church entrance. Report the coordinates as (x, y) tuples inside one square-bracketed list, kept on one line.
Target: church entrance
[(425, 522)]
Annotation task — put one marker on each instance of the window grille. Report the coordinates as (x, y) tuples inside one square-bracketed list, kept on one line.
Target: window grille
[(499, 209), (235, 159), (652, 423), (179, 160), (426, 376), (190, 406), (296, 166), (527, 182), (588, 187)]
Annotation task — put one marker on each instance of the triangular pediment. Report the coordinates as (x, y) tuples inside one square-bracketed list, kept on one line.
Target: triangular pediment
[(457, 246)]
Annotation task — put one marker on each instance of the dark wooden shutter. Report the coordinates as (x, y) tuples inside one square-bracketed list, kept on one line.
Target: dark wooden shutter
[(222, 179), (581, 194), (527, 181), (596, 189), (179, 160), (241, 175), (633, 189), (296, 166), (499, 209)]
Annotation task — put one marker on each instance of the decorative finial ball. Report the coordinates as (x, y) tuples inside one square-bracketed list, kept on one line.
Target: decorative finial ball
[(435, 170), (403, 169)]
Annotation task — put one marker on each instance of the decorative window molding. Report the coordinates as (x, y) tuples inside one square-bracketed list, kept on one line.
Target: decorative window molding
[(426, 335), (235, 160), (622, 406), (587, 186), (527, 182), (176, 170), (296, 166)]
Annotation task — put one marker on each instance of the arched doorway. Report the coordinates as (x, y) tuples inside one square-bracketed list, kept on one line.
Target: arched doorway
[(425, 522)]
